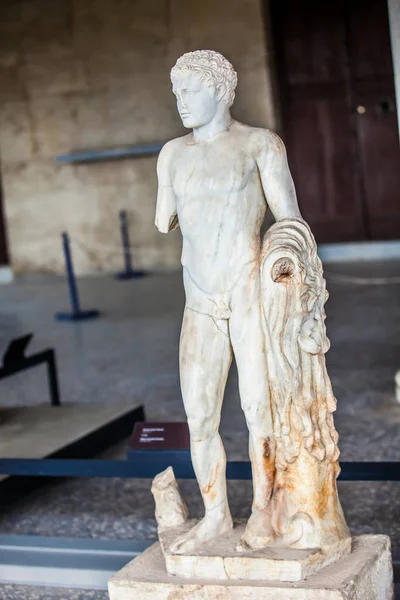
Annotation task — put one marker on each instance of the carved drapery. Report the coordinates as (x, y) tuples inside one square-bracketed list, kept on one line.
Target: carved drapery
[(305, 507), (294, 294)]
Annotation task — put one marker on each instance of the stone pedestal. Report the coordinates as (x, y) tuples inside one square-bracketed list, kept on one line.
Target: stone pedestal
[(219, 559), (365, 574)]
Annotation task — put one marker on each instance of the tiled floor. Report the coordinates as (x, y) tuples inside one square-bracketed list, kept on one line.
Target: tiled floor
[(131, 352)]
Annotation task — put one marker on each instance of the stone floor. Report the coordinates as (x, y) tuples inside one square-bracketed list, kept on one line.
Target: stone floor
[(131, 352)]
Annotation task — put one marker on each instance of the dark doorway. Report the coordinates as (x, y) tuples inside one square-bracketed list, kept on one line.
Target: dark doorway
[(337, 100)]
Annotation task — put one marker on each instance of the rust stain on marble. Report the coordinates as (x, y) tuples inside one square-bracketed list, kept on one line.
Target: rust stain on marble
[(326, 494), (269, 460), (209, 489)]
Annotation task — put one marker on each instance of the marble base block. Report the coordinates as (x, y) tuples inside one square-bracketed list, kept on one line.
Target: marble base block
[(365, 574), (219, 558)]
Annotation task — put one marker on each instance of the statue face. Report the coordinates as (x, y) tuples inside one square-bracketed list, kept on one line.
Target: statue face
[(197, 103)]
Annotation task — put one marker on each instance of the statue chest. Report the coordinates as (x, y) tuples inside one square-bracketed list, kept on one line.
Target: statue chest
[(211, 171)]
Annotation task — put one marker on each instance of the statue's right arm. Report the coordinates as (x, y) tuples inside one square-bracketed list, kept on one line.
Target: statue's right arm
[(166, 215)]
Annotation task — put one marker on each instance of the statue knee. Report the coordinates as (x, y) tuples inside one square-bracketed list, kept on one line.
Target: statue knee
[(201, 427), (258, 421)]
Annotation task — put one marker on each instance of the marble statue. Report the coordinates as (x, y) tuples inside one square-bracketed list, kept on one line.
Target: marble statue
[(260, 301)]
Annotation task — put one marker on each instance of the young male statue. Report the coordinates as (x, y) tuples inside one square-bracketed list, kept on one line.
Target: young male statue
[(215, 184)]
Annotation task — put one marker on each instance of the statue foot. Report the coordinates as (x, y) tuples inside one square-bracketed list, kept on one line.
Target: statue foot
[(209, 528), (258, 533)]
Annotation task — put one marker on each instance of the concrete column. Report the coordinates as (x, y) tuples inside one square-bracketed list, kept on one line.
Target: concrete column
[(394, 24)]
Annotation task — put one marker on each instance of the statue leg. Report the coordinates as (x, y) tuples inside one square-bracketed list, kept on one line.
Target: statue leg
[(205, 359), (248, 343)]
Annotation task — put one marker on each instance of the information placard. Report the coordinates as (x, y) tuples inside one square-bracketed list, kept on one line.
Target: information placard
[(160, 436)]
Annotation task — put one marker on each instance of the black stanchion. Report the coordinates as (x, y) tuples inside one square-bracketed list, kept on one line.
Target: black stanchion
[(15, 361), (77, 314), (129, 272)]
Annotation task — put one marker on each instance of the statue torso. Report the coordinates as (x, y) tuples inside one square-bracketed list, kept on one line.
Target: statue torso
[(220, 206)]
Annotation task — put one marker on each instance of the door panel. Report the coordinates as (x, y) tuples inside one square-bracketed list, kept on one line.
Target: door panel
[(379, 150), (369, 48), (312, 64), (313, 40), (332, 58), (372, 88), (320, 156)]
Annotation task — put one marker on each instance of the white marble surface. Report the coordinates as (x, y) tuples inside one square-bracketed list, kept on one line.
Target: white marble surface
[(219, 558), (260, 302), (366, 574), (171, 507)]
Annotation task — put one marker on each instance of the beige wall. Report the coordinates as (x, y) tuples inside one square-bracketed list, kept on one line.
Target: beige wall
[(84, 74)]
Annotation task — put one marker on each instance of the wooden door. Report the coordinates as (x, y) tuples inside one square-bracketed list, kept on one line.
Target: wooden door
[(374, 102), (338, 115)]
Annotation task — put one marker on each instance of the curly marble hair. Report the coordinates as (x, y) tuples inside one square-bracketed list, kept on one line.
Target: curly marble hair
[(212, 68)]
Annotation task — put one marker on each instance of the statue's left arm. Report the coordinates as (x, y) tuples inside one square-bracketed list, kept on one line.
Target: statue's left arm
[(277, 182)]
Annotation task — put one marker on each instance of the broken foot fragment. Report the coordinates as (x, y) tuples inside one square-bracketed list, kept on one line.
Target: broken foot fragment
[(171, 507)]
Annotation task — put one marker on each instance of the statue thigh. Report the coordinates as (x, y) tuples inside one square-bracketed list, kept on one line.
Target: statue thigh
[(248, 342), (205, 356)]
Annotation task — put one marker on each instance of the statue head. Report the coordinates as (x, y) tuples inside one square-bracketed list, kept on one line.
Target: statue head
[(204, 83)]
